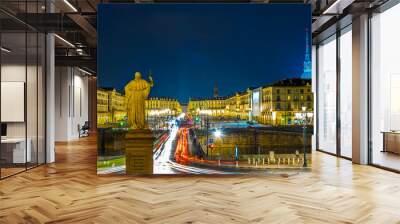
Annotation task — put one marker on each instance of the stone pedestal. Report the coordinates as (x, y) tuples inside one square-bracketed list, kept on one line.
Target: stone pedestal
[(139, 152)]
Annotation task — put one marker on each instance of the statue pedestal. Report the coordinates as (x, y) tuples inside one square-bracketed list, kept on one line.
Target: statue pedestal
[(139, 152)]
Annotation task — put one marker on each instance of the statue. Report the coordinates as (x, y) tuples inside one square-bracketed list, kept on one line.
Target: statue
[(136, 92)]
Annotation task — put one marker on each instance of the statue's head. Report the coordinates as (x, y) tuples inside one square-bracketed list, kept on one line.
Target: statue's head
[(138, 75)]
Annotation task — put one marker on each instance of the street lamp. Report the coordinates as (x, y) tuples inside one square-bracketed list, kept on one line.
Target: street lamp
[(274, 117), (205, 114), (206, 121), (218, 133), (304, 134)]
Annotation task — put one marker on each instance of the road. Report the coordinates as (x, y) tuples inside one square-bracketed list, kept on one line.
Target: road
[(176, 153), (167, 160), (170, 160), (163, 156)]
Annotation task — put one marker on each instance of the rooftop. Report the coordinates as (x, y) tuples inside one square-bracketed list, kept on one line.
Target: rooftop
[(291, 82), (209, 98), (106, 88), (282, 83)]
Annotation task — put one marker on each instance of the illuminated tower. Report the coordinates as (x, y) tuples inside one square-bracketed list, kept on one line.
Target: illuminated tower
[(215, 91), (307, 60)]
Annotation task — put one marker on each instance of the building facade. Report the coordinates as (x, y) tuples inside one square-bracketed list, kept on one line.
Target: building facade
[(285, 102), (282, 103), (159, 106), (111, 106)]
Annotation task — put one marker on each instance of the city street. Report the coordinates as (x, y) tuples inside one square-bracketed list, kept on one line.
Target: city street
[(170, 161), (172, 157), (178, 151)]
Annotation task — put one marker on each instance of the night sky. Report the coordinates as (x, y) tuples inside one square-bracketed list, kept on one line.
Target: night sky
[(190, 48)]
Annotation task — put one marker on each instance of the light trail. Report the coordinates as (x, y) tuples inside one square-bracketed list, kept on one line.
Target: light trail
[(164, 164), (162, 156)]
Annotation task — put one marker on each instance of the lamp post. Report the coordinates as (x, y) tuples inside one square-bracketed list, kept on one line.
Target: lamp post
[(304, 135), (207, 134), (274, 117), (204, 114), (217, 135)]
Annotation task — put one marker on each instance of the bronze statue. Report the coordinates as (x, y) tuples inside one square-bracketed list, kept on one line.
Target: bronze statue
[(136, 92)]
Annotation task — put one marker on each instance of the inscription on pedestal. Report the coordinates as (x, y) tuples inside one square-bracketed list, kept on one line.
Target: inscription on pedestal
[(139, 152)]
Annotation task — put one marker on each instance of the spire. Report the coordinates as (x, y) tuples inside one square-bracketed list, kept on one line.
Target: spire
[(215, 90), (307, 60)]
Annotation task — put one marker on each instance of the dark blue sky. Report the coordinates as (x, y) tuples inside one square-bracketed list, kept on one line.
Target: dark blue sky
[(191, 47)]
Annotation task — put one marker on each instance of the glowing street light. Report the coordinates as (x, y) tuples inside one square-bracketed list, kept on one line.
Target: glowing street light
[(181, 116), (218, 134), (274, 117)]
